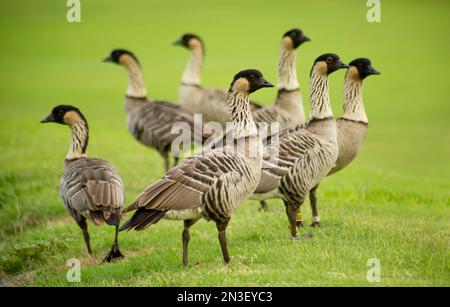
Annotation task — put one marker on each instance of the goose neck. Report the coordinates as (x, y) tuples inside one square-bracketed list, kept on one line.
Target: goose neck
[(136, 86), (353, 100), (287, 69), (319, 95), (241, 117), (80, 138), (191, 75)]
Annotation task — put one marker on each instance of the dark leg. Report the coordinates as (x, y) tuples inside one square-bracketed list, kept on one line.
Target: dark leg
[(299, 219), (165, 156), (84, 227), (264, 206), (291, 212), (222, 228), (114, 253), (176, 160), (186, 237), (315, 212)]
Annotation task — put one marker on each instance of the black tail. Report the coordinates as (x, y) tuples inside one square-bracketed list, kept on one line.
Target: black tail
[(142, 219), (114, 219)]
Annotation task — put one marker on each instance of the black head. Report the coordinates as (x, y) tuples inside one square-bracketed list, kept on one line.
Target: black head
[(364, 67), (329, 62), (297, 37), (186, 39), (62, 115), (249, 80), (116, 54)]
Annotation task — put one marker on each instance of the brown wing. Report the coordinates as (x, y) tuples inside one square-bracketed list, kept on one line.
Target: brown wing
[(92, 188), (184, 186), (154, 120), (181, 188), (279, 157)]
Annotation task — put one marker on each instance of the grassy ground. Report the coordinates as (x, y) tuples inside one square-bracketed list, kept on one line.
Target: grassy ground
[(392, 203)]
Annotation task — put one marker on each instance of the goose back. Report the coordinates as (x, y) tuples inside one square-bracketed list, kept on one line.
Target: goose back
[(208, 185), (91, 188), (302, 154), (151, 122)]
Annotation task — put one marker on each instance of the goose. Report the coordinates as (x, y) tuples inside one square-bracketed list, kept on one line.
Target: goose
[(352, 126), (210, 184), (90, 188), (287, 110), (150, 122), (210, 102), (305, 155)]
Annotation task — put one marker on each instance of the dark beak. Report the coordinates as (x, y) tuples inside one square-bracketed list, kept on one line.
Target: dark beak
[(178, 43), (108, 59), (306, 38), (342, 65), (48, 119), (265, 83), (373, 71)]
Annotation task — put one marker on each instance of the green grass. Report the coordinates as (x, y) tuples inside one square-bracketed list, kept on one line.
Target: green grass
[(392, 203)]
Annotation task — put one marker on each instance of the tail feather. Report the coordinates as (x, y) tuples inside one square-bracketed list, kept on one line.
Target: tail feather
[(97, 217), (142, 219), (114, 219)]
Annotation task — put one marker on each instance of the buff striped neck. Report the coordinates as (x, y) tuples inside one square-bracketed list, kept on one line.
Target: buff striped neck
[(287, 69), (191, 74), (241, 117), (136, 86), (353, 100), (319, 95), (80, 138)]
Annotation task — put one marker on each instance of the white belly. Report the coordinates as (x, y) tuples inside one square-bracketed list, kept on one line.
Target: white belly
[(186, 214)]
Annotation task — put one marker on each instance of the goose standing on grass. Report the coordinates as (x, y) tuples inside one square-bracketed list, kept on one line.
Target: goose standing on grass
[(210, 102), (352, 126), (90, 187), (287, 110), (211, 184), (150, 122), (305, 155)]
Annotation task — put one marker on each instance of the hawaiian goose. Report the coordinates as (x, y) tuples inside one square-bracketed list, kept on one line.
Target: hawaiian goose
[(210, 102), (306, 155), (211, 184), (150, 122), (90, 187), (287, 110), (352, 126)]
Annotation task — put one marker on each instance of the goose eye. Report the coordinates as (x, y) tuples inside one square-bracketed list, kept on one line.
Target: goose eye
[(329, 59), (251, 77), (294, 34)]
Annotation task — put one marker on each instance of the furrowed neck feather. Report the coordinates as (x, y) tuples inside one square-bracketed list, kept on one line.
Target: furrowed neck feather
[(136, 86), (319, 95), (191, 75), (287, 69), (353, 100), (241, 117), (80, 138)]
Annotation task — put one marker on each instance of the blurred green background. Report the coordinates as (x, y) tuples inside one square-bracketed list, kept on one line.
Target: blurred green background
[(393, 200)]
